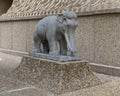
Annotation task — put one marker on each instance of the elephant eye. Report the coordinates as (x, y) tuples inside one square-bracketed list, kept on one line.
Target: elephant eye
[(64, 18)]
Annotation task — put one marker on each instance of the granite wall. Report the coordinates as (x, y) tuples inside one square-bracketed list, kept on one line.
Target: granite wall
[(97, 37), (17, 35)]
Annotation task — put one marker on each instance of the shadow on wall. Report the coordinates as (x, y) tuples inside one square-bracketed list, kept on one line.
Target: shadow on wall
[(5, 5)]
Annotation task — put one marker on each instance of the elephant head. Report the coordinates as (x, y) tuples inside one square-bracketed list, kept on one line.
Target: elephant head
[(68, 23)]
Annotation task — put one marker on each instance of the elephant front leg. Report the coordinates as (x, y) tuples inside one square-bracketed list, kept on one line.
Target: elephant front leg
[(69, 53), (63, 47), (53, 46)]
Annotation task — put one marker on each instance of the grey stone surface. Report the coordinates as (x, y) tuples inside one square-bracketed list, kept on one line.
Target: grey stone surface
[(84, 38), (109, 88), (27, 91), (104, 69), (9, 86), (36, 9), (107, 39), (61, 58), (54, 30), (55, 77), (9, 62), (6, 35), (19, 36), (8, 83)]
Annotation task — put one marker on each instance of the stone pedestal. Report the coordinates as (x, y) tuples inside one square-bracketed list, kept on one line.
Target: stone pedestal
[(56, 77)]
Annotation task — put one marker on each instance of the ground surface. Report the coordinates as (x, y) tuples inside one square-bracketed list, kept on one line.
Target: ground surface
[(9, 62), (110, 87)]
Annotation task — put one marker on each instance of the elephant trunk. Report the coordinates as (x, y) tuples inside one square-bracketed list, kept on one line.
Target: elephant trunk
[(69, 36)]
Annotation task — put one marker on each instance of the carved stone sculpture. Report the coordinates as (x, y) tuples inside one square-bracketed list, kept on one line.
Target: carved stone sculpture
[(54, 30), (54, 37)]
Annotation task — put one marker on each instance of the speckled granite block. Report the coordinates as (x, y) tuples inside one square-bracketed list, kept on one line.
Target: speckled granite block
[(56, 77)]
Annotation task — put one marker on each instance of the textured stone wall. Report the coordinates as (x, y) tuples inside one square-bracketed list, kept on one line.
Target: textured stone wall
[(24, 8), (17, 35), (97, 37)]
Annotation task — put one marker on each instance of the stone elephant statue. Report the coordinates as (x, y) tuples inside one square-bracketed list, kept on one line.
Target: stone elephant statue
[(54, 35)]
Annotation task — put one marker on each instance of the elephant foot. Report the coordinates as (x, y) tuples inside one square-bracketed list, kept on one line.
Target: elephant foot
[(63, 53), (69, 53), (55, 53), (36, 51)]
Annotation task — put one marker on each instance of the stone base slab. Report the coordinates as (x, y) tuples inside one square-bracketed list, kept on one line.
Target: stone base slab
[(55, 77), (61, 58)]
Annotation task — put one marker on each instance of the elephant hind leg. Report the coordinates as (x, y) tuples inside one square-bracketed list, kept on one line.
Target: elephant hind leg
[(37, 44), (45, 47)]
